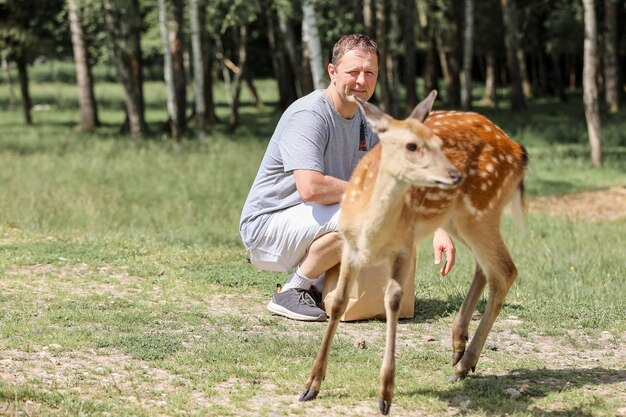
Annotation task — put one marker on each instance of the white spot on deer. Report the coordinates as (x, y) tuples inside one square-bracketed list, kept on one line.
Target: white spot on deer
[(437, 196), (490, 168), (483, 186), (509, 159), (470, 207), (487, 128)]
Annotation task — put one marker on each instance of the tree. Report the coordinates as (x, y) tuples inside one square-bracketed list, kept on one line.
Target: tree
[(590, 88), (283, 72), (314, 44), (611, 59), (410, 70), (171, 24), (384, 97), (468, 42), (510, 24), (84, 79), (28, 31), (123, 22), (195, 10)]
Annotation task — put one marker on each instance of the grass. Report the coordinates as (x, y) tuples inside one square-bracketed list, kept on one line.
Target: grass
[(125, 289)]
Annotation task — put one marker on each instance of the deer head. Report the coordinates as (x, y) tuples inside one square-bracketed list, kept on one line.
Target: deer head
[(411, 152)]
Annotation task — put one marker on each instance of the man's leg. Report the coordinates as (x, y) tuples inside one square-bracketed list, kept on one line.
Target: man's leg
[(323, 254), (304, 236)]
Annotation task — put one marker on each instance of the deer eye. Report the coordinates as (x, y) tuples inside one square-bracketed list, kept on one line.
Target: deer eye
[(411, 147)]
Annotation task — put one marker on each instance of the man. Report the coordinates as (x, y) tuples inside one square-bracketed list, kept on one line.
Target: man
[(290, 218)]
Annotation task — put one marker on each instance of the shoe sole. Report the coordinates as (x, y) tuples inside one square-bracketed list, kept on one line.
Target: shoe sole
[(282, 311)]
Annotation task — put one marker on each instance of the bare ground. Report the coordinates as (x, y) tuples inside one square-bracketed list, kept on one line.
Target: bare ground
[(601, 205), (97, 372)]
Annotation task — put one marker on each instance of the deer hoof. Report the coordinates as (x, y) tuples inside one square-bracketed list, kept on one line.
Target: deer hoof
[(457, 357), (308, 395), (384, 406)]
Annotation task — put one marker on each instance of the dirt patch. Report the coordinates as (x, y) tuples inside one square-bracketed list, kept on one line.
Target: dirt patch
[(603, 205)]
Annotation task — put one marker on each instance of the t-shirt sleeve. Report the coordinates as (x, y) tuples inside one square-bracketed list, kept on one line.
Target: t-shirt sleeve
[(303, 142)]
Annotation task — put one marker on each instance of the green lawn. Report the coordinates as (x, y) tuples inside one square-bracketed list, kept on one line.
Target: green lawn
[(126, 291)]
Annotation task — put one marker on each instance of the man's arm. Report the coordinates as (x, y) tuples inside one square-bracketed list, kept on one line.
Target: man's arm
[(315, 187), (443, 244)]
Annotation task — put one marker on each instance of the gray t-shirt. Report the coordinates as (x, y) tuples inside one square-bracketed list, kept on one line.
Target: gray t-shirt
[(310, 135)]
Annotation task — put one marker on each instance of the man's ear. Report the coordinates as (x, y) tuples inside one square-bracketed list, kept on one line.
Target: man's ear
[(378, 119), (423, 109)]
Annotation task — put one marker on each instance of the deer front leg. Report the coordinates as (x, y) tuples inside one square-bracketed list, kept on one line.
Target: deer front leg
[(347, 273), (393, 299)]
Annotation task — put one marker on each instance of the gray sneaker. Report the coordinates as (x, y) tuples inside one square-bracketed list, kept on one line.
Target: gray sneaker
[(297, 304)]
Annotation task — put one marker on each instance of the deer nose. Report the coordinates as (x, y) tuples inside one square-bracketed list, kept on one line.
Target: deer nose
[(455, 176)]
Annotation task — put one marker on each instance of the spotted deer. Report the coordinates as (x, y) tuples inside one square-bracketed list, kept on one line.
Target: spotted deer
[(455, 170)]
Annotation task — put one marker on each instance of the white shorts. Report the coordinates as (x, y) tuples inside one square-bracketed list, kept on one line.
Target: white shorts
[(289, 235)]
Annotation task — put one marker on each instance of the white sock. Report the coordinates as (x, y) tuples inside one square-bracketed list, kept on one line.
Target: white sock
[(298, 280), (319, 282)]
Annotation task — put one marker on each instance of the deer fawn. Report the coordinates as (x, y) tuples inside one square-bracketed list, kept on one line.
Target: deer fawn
[(457, 170)]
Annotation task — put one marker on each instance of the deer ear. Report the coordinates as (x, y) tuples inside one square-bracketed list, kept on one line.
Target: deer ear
[(422, 110), (378, 119)]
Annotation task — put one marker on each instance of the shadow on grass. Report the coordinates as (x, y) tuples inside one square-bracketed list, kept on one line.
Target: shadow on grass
[(486, 394), (428, 309)]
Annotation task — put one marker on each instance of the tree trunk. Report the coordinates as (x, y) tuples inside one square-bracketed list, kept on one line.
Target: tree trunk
[(410, 67), (305, 67), (286, 88), (490, 79), (167, 71), (523, 73), (381, 39), (123, 27), (22, 71), (393, 60), (86, 96), (233, 120), (8, 81), (430, 59), (284, 24), (611, 60), (468, 43), (170, 22), (315, 44), (510, 39), (590, 89), (367, 18), (176, 45), (207, 64), (455, 56), (198, 66), (559, 86)]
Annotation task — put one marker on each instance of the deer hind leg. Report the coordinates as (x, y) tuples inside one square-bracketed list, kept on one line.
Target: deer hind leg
[(460, 333), (347, 273), (499, 272), (393, 299)]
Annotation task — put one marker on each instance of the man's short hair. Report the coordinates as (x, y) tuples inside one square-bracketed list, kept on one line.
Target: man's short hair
[(355, 41)]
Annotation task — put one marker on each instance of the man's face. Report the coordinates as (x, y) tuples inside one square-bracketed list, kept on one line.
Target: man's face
[(354, 75)]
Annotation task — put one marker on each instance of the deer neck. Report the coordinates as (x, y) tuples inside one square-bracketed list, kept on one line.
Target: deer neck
[(386, 204)]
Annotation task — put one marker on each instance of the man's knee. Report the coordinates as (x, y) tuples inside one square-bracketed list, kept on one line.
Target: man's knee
[(331, 242)]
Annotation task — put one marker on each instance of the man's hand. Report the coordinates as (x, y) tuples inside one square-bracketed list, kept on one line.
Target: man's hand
[(443, 244)]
